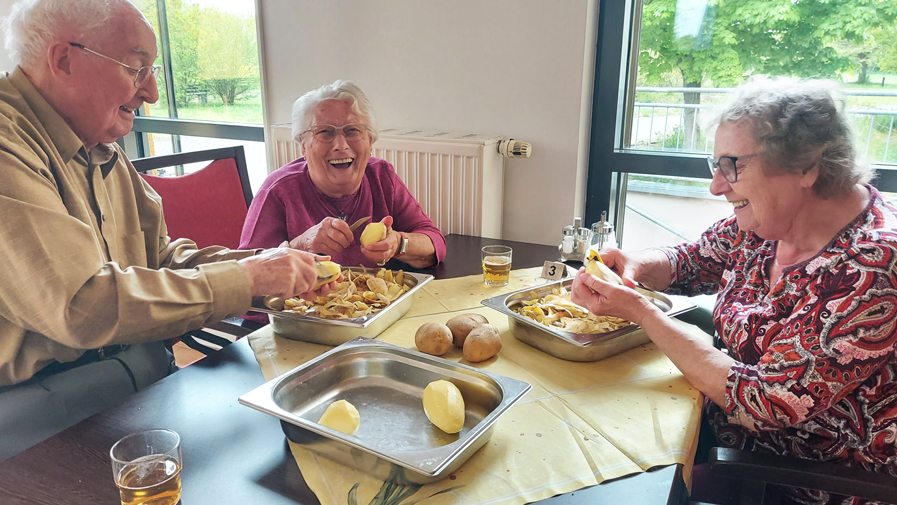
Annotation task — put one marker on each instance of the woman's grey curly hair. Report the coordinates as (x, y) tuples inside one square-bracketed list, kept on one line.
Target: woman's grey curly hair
[(797, 125), (346, 91)]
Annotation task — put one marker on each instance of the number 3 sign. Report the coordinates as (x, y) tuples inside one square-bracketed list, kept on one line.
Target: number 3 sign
[(553, 270)]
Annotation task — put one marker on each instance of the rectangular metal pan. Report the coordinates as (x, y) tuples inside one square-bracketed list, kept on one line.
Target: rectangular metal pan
[(577, 346), (395, 440), (338, 331)]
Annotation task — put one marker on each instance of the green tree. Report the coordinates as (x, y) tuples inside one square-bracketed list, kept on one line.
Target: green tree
[(887, 48), (228, 54), (721, 41), (183, 35)]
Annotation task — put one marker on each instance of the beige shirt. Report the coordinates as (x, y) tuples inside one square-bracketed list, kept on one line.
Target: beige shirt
[(86, 257)]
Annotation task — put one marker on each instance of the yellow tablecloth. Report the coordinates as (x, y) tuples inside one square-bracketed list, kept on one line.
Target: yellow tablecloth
[(581, 424)]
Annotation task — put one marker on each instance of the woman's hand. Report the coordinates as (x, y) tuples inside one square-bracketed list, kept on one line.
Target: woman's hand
[(382, 251), (620, 263), (606, 299), (330, 236), (284, 273), (650, 267)]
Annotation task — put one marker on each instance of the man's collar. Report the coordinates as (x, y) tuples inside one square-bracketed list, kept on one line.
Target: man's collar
[(61, 134), (104, 155)]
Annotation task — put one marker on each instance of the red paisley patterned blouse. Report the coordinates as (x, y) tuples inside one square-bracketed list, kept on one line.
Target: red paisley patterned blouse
[(817, 372)]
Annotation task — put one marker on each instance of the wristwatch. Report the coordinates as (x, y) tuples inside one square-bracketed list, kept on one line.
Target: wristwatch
[(403, 245)]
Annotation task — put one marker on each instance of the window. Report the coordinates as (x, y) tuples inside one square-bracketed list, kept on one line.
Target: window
[(210, 95), (662, 64)]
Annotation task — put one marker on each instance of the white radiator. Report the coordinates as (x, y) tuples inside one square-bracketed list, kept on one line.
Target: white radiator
[(457, 178)]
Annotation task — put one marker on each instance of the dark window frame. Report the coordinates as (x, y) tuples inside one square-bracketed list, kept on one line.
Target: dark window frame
[(135, 142), (619, 22)]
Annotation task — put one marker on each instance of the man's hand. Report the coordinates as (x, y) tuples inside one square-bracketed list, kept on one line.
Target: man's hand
[(383, 250), (330, 236), (284, 273)]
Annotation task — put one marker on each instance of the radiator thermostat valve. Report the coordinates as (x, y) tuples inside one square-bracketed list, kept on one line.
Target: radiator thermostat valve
[(515, 148)]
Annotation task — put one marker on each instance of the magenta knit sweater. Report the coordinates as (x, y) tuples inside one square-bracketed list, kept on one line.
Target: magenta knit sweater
[(288, 203)]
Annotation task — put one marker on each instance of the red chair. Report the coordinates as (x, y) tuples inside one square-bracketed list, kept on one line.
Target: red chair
[(207, 206)]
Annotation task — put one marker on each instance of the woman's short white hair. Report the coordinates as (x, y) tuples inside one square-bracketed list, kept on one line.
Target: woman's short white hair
[(798, 125), (349, 92), (33, 24)]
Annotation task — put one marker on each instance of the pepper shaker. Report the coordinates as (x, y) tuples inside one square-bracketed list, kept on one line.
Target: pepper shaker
[(603, 234)]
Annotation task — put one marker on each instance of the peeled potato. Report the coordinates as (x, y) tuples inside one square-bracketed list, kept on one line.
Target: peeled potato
[(461, 325), (433, 338), (333, 268), (444, 406), (341, 416), (603, 272), (482, 343), (373, 232)]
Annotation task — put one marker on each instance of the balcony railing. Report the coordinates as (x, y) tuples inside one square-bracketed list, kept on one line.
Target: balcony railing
[(676, 127)]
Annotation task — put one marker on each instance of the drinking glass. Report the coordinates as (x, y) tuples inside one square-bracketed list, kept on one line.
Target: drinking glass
[(496, 265), (147, 468)]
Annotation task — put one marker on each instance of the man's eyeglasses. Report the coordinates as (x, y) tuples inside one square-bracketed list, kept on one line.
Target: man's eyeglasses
[(141, 75), (726, 165), (327, 133)]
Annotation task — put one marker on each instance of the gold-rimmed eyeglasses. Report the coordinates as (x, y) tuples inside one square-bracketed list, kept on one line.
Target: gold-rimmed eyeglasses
[(726, 165), (326, 133), (141, 75)]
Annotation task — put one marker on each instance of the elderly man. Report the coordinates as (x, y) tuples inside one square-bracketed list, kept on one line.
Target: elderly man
[(90, 280)]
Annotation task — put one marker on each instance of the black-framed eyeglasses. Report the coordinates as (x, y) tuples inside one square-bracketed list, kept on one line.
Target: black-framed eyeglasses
[(141, 75), (326, 133), (726, 165)]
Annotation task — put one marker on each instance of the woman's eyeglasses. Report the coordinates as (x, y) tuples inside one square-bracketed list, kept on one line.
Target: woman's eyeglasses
[(726, 165), (327, 133), (141, 75)]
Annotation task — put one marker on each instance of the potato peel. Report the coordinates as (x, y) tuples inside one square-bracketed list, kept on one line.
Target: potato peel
[(357, 295), (558, 311)]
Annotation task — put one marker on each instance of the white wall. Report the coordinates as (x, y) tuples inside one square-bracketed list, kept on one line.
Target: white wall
[(520, 68), (5, 62)]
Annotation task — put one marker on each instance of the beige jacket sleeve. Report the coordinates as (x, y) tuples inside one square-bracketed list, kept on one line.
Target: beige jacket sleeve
[(86, 268)]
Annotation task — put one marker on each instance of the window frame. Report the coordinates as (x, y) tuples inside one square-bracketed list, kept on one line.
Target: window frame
[(619, 22), (136, 140)]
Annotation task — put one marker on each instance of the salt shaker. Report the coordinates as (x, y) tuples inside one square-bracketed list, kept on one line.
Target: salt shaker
[(568, 244)]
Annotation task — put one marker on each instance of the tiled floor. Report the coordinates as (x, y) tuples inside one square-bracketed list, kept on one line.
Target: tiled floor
[(184, 355)]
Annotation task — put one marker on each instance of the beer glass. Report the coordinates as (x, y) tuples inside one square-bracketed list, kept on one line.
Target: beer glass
[(147, 468), (496, 265)]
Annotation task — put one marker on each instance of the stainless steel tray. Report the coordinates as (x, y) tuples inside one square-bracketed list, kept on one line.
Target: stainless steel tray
[(577, 346), (395, 440), (338, 331)]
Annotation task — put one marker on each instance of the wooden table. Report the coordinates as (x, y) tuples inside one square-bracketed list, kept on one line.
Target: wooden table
[(234, 454)]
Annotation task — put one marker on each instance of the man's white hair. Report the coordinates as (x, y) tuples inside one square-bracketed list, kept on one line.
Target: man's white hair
[(33, 24)]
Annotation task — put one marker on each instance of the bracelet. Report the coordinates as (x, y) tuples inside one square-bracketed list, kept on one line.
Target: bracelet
[(403, 245)]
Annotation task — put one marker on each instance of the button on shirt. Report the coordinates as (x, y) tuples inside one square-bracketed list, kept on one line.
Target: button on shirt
[(87, 259)]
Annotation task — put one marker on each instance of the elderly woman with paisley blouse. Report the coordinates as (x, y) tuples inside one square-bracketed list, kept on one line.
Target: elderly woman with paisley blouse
[(804, 273)]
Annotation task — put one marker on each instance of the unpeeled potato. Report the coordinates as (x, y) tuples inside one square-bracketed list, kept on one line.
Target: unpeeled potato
[(373, 232), (433, 338), (461, 326), (482, 343)]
